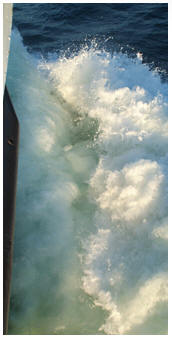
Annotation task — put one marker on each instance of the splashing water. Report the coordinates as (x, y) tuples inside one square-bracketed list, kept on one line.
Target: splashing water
[(90, 251)]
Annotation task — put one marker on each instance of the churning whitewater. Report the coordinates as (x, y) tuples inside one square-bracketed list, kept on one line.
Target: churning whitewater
[(90, 251)]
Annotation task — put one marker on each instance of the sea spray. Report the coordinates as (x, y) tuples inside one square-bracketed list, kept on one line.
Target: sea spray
[(90, 251)]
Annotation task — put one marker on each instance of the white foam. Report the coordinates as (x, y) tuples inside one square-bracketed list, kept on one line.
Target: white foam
[(153, 292), (92, 185), (132, 194)]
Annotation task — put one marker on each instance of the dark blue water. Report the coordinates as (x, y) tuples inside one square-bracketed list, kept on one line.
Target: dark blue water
[(89, 86), (64, 28)]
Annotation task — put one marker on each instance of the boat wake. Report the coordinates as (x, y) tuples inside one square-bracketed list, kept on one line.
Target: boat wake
[(90, 252)]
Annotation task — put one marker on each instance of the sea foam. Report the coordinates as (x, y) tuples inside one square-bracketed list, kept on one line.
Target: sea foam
[(91, 219)]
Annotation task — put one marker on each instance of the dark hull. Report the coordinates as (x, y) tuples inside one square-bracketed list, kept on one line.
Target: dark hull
[(10, 156)]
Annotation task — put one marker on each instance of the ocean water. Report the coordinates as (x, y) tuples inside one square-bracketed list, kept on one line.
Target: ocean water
[(89, 86)]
